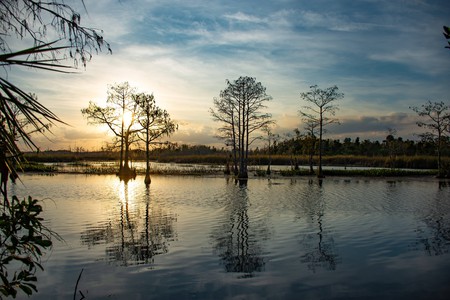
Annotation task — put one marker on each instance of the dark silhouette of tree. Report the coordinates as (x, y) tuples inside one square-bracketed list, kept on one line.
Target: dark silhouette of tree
[(239, 108), (447, 35), (271, 139), (320, 111), (225, 114), (437, 115), (50, 29), (310, 139), (155, 123), (120, 116)]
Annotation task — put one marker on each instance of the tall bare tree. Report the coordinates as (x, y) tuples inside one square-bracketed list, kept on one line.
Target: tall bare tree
[(225, 114), (437, 115), (320, 110), (239, 108), (155, 123), (271, 139)]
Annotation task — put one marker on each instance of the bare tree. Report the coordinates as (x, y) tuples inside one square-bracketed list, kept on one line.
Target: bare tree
[(438, 125), (310, 139), (320, 111), (120, 116), (155, 123), (225, 114), (271, 139), (239, 109)]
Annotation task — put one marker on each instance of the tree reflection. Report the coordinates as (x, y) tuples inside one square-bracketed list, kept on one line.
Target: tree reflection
[(319, 247), (236, 243), (435, 240), (131, 239), (435, 237)]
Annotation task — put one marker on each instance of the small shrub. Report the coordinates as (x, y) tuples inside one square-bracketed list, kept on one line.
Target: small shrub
[(23, 238)]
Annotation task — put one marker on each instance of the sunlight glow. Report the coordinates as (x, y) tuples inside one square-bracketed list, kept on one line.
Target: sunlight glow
[(127, 118)]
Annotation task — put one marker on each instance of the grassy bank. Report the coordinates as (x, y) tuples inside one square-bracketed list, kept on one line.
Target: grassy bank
[(83, 163), (402, 162), (111, 169), (364, 173)]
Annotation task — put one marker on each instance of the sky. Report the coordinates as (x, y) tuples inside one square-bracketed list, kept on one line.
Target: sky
[(384, 55)]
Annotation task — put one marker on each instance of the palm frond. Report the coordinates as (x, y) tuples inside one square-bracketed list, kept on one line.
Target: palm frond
[(36, 115), (45, 64)]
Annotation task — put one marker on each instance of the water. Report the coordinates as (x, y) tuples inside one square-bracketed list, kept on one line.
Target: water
[(207, 238)]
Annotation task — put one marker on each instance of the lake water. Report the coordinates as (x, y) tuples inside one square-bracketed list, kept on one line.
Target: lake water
[(208, 238)]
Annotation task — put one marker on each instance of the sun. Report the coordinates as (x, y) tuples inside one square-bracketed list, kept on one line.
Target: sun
[(127, 118)]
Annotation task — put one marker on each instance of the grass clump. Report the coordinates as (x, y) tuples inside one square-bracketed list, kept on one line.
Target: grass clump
[(38, 167)]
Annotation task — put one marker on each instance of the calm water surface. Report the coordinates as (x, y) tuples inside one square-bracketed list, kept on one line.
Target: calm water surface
[(207, 238)]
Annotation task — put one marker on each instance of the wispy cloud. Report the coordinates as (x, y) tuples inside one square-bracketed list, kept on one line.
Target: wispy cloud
[(243, 17)]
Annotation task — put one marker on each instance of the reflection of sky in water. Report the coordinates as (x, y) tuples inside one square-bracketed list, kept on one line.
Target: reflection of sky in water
[(194, 237)]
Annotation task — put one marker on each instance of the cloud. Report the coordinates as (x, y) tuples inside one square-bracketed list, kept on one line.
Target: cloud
[(202, 135), (242, 17), (376, 127), (64, 137)]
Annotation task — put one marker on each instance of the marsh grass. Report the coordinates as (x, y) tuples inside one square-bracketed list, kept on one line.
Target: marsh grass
[(38, 167), (400, 161), (113, 168), (375, 172), (258, 170)]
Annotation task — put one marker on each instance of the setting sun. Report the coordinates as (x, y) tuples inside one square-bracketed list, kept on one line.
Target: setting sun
[(127, 118)]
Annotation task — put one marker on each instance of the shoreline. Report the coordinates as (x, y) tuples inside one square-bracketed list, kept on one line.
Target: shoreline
[(217, 170)]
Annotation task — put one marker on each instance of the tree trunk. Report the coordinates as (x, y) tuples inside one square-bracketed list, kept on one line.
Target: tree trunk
[(147, 179), (235, 154), (311, 155), (121, 152), (227, 167), (126, 166), (242, 168), (270, 160), (439, 163), (320, 173), (122, 138)]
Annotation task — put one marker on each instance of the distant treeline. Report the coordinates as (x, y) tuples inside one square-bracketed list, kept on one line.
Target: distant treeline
[(391, 153), (391, 146)]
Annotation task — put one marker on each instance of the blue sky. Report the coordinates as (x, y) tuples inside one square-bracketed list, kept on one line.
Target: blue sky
[(385, 56)]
